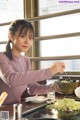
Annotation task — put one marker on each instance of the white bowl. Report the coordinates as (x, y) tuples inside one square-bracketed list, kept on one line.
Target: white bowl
[(77, 92)]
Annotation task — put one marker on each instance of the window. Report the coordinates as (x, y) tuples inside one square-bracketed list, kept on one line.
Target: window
[(9, 11), (56, 6), (60, 25)]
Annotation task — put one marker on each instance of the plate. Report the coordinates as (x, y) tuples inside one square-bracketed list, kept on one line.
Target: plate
[(77, 92), (36, 99)]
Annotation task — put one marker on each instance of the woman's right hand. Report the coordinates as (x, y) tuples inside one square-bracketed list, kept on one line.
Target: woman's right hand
[(58, 67)]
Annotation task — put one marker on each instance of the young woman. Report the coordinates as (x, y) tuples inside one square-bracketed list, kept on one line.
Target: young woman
[(15, 70)]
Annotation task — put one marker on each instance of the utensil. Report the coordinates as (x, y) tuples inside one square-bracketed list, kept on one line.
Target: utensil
[(69, 79), (68, 76), (46, 119), (3, 97)]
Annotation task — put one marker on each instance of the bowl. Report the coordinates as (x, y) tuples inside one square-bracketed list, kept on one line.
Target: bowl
[(77, 92), (68, 86)]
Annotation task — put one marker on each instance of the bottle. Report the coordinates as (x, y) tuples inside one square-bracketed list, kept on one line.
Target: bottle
[(17, 112)]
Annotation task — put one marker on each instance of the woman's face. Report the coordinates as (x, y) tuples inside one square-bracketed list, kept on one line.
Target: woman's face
[(22, 43)]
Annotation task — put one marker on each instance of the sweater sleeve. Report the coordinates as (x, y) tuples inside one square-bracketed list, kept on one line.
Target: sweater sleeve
[(38, 89), (14, 78)]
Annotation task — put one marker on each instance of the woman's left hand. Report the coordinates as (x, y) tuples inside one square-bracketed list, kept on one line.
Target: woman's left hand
[(57, 87)]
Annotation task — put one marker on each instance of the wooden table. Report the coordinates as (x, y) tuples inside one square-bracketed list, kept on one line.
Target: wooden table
[(27, 107)]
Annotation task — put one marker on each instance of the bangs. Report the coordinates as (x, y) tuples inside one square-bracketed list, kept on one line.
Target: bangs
[(25, 29)]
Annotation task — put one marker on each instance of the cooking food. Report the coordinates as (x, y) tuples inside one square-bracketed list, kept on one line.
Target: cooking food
[(66, 104), (65, 107), (68, 86)]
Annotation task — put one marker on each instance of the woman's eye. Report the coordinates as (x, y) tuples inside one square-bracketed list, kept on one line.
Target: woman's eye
[(30, 38), (23, 35)]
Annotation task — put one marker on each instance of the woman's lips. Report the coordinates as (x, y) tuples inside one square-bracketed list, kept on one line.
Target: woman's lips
[(26, 46)]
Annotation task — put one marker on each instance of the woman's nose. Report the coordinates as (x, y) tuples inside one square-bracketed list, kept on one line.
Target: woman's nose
[(27, 40)]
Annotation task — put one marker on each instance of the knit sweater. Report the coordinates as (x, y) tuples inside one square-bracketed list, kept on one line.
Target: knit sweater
[(16, 75)]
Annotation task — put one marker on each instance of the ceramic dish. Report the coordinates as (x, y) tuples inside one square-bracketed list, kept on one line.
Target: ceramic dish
[(77, 92), (36, 99)]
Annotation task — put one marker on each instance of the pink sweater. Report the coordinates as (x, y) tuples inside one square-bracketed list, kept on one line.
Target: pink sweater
[(16, 75)]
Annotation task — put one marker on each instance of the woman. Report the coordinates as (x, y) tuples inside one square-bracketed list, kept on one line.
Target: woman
[(15, 70)]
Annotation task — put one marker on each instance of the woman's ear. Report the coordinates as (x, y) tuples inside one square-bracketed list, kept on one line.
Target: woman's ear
[(10, 37)]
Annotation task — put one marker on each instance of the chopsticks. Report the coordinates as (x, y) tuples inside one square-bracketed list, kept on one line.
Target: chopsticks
[(68, 76), (67, 79)]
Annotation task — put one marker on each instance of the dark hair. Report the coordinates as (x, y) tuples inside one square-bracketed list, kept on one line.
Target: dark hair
[(17, 25)]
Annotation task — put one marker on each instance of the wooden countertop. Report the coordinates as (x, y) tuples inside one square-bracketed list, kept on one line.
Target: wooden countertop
[(26, 107)]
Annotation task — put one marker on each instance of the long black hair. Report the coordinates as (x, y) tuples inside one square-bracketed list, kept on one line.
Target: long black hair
[(17, 25)]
